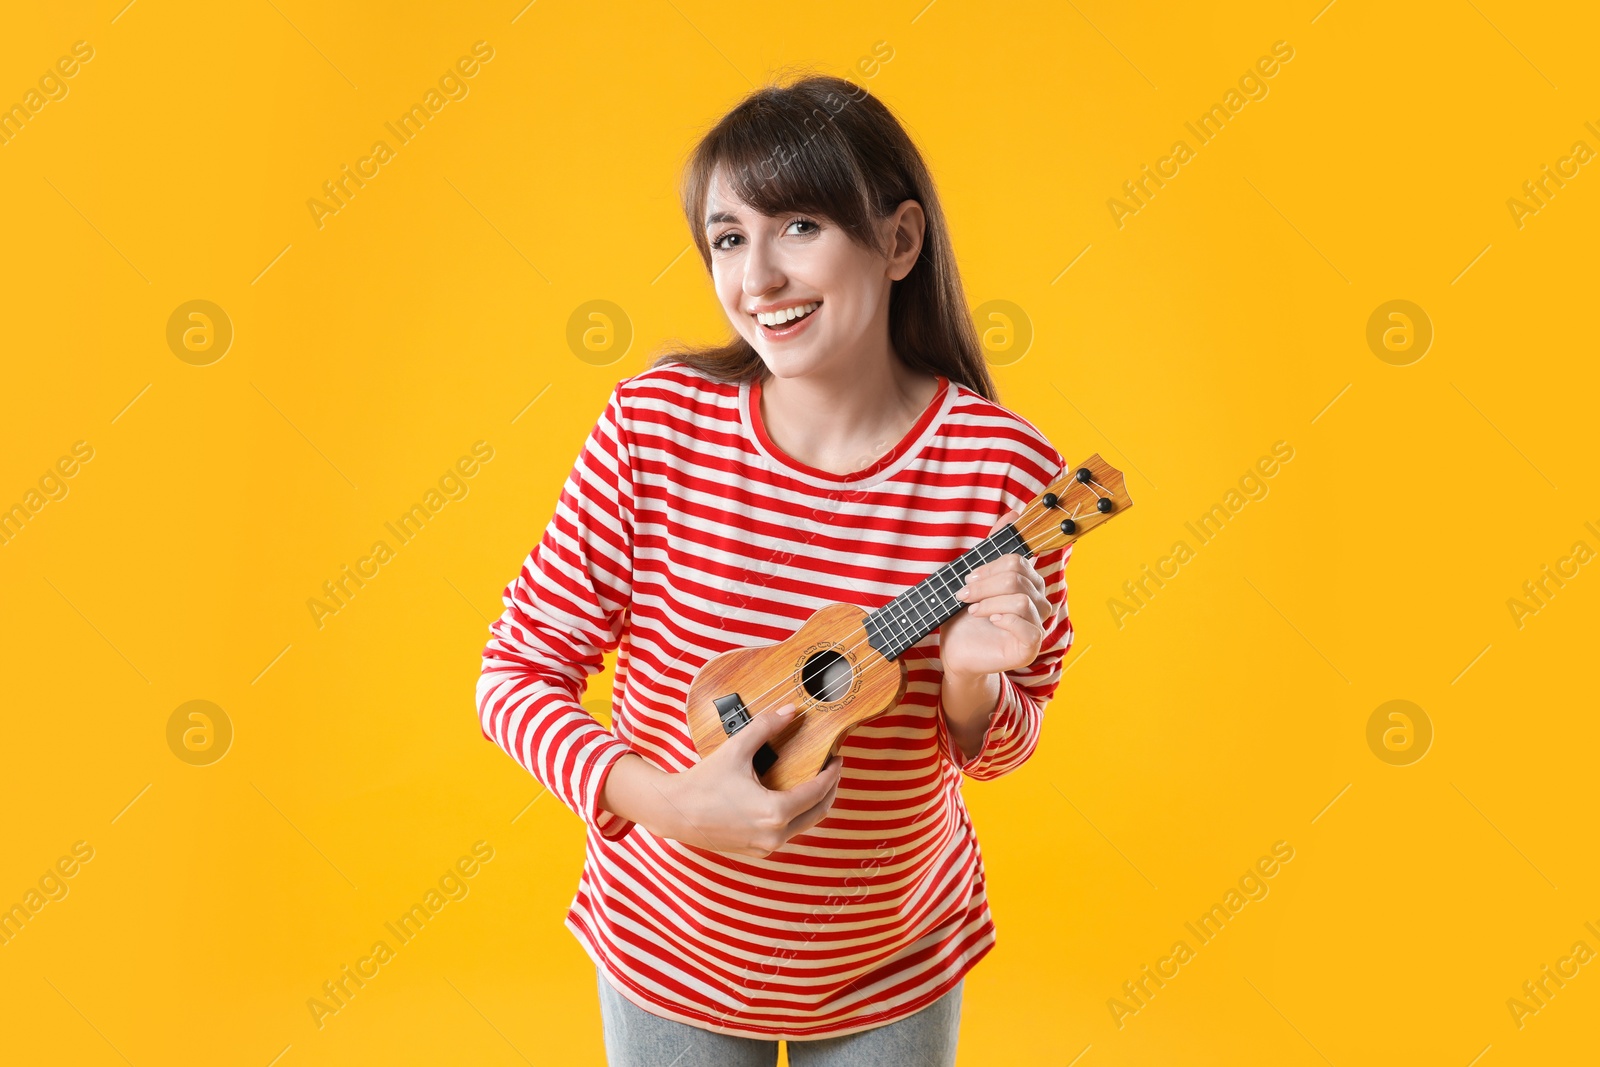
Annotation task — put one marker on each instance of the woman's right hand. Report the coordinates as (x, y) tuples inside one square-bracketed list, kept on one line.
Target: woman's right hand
[(720, 804)]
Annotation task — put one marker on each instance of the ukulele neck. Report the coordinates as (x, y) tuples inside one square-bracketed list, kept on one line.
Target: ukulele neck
[(922, 609)]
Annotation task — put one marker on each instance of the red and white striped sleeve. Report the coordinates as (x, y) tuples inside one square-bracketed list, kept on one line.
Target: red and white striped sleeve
[(564, 611), (1013, 731)]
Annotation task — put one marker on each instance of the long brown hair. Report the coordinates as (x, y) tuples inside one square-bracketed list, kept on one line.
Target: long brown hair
[(826, 146)]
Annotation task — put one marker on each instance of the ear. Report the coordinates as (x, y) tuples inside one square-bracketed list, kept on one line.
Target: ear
[(906, 228)]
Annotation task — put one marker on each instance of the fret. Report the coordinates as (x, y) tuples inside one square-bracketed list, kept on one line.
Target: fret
[(922, 609)]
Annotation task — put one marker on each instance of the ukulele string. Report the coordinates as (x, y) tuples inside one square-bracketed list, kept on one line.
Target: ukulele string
[(809, 702), (806, 704)]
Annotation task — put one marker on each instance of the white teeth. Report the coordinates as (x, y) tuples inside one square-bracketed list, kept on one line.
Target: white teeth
[(778, 318)]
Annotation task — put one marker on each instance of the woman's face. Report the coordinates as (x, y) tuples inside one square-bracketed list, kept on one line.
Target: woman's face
[(792, 262)]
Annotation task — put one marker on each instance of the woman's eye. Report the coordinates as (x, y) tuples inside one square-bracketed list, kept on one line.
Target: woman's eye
[(719, 245)]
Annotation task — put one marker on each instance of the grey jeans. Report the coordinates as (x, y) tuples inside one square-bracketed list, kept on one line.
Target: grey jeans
[(636, 1038)]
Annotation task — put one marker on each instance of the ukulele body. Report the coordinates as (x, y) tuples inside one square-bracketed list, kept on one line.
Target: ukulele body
[(835, 679)]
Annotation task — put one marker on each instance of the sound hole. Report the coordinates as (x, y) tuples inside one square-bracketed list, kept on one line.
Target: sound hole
[(826, 676)]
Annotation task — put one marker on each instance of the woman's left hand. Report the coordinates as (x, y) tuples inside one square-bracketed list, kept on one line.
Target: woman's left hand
[(1002, 628)]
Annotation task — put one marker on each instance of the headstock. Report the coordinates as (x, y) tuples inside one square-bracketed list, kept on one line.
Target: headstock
[(1084, 497)]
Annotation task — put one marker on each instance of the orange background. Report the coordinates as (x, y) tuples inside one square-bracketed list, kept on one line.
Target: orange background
[(433, 311)]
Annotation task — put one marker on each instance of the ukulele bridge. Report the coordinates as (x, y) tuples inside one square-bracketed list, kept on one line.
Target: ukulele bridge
[(734, 715)]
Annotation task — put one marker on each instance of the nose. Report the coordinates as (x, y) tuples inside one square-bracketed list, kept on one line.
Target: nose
[(762, 272)]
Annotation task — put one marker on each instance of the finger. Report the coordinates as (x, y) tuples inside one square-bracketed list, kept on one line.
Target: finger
[(812, 815), (1019, 604), (1037, 593), (1035, 579), (1029, 634), (1008, 517), (806, 795), (759, 730), (1043, 610), (1010, 563), (993, 579)]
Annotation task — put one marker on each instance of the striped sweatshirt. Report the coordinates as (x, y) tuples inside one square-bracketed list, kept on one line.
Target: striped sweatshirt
[(682, 532)]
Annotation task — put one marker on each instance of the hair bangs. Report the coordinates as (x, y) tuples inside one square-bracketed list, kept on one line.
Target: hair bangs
[(784, 152)]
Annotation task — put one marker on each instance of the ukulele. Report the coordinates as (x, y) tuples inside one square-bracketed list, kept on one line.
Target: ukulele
[(842, 666)]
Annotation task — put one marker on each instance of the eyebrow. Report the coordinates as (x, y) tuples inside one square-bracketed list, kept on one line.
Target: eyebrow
[(720, 216)]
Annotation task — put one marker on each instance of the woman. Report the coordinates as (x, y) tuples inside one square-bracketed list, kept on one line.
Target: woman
[(842, 446)]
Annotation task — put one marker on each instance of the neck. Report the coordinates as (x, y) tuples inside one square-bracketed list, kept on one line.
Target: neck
[(862, 410), (922, 609)]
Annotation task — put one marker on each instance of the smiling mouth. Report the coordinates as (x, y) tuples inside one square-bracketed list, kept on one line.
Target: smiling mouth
[(782, 323)]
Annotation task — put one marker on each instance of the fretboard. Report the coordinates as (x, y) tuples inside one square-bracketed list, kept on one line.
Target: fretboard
[(922, 609)]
